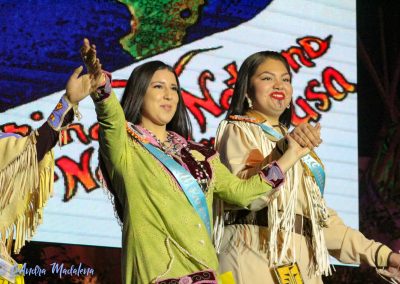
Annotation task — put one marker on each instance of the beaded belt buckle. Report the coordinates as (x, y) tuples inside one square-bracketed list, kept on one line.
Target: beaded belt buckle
[(288, 274), (201, 277)]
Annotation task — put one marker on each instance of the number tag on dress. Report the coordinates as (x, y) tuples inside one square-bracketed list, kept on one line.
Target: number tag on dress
[(288, 274)]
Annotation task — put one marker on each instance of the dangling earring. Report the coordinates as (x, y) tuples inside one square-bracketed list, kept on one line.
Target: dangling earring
[(249, 102)]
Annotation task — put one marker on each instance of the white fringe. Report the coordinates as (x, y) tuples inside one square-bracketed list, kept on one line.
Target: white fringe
[(281, 223), (21, 181)]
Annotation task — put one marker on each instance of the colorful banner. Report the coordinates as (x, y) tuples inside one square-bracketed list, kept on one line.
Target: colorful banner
[(205, 41)]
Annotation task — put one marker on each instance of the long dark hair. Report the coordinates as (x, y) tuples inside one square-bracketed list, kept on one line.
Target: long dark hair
[(239, 104), (132, 99)]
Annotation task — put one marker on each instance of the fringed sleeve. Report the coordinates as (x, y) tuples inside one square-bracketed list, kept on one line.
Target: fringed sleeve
[(25, 187)]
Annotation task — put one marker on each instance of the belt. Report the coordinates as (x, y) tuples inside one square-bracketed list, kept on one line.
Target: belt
[(204, 276), (302, 224)]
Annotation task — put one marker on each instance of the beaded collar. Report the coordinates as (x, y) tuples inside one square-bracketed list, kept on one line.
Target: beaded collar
[(178, 148)]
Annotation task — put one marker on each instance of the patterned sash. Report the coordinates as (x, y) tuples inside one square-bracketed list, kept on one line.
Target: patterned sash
[(187, 182)]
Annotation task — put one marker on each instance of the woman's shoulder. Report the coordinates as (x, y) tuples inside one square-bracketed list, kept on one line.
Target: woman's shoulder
[(242, 118), (237, 122), (239, 125)]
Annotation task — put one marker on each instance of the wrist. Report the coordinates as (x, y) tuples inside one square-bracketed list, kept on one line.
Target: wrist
[(273, 174), (56, 118), (99, 96), (293, 154), (394, 260), (104, 90), (59, 118), (72, 102)]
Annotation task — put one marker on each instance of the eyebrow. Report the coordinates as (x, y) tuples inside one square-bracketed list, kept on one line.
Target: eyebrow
[(267, 72), (161, 82)]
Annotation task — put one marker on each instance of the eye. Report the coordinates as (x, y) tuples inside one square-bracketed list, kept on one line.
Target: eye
[(267, 78), (287, 80), (175, 89), (158, 86)]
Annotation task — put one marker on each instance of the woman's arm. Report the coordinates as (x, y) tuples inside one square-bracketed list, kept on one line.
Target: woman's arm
[(112, 132), (241, 155), (351, 246), (77, 88), (243, 191), (111, 118)]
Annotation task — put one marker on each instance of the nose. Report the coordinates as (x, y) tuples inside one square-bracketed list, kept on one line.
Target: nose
[(167, 95), (278, 85)]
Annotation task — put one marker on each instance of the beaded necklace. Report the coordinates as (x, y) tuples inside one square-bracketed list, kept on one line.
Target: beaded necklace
[(173, 146)]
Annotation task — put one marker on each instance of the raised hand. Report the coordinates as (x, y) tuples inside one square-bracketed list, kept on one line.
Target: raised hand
[(307, 135), (78, 87), (89, 56)]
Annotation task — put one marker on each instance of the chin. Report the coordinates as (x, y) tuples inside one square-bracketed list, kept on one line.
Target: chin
[(166, 121)]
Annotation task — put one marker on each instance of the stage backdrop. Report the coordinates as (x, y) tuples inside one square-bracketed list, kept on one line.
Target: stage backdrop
[(206, 42)]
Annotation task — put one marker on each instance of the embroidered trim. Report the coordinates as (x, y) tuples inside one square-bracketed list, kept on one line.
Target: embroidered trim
[(376, 256), (242, 118), (104, 91), (134, 134), (200, 277), (169, 239), (273, 174), (56, 118)]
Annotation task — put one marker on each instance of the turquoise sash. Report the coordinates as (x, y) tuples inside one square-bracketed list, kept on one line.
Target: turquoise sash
[(315, 167), (187, 182)]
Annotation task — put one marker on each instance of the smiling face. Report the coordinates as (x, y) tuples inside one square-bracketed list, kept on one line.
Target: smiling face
[(271, 89), (160, 101)]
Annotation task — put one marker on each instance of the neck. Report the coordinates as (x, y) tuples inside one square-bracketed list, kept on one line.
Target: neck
[(271, 119), (160, 131)]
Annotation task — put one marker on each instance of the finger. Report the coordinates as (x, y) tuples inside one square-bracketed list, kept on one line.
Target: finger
[(88, 53), (302, 140), (91, 53), (97, 67), (85, 46), (90, 60), (86, 42), (77, 72), (312, 135), (318, 129)]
